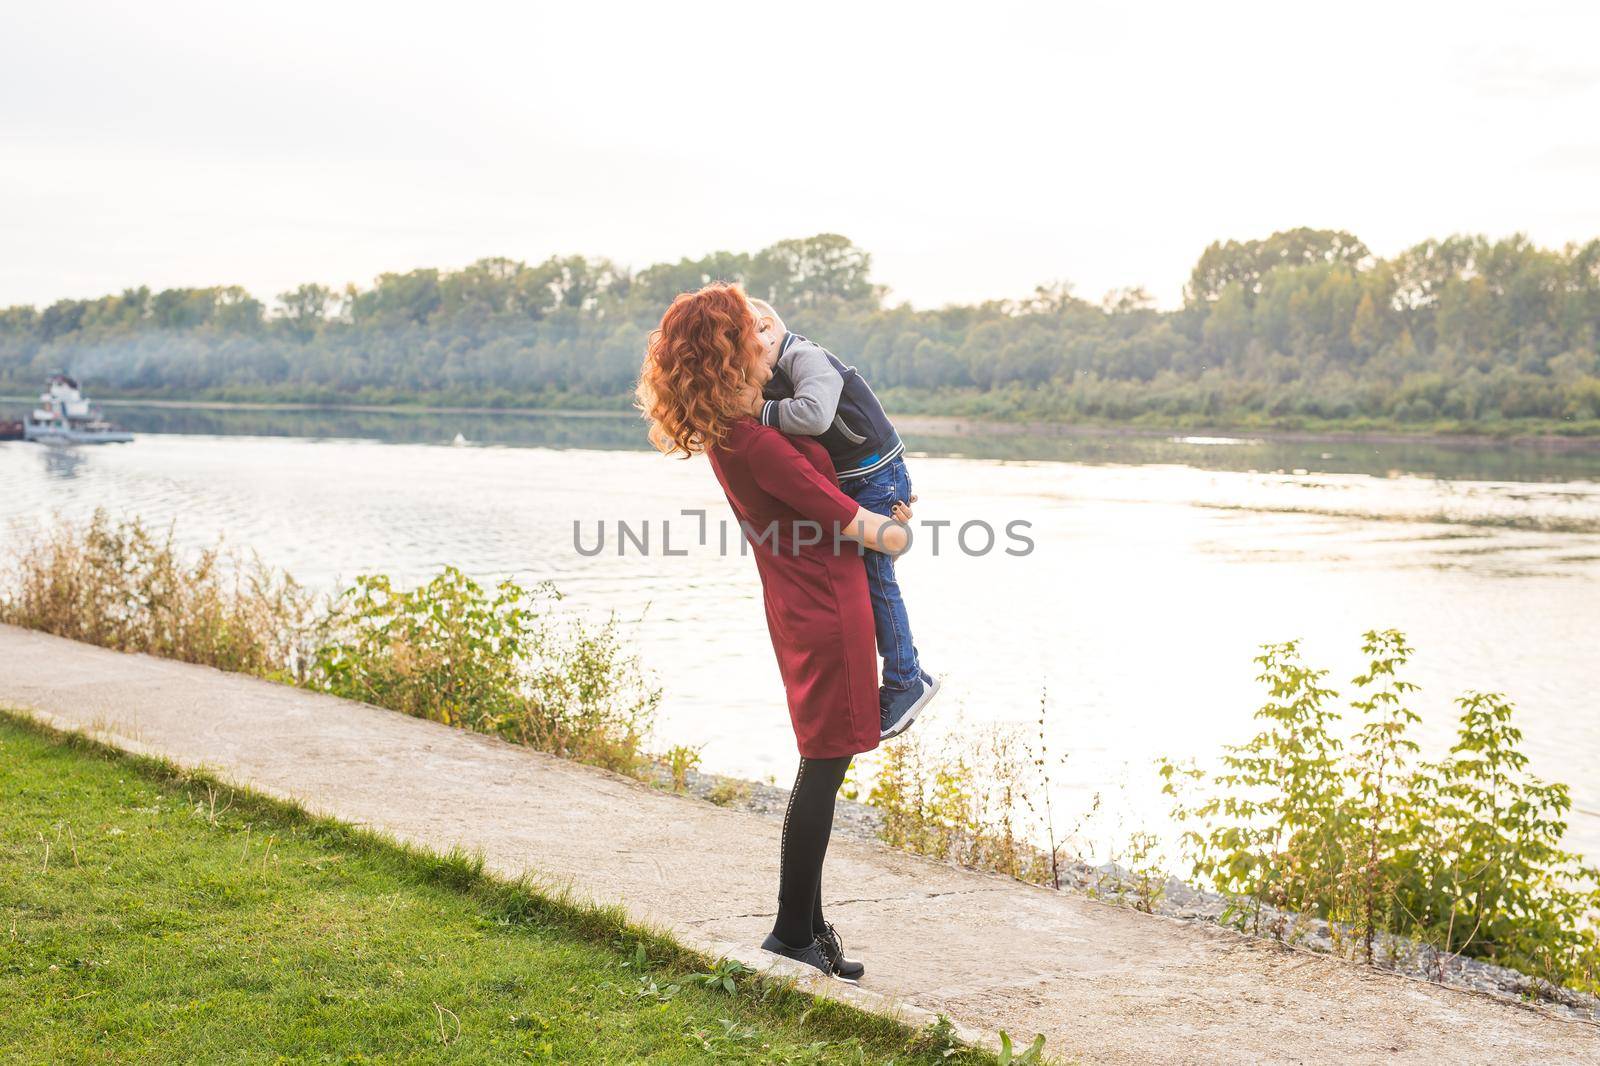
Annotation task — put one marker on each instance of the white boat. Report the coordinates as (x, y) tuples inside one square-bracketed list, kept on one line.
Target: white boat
[(65, 417)]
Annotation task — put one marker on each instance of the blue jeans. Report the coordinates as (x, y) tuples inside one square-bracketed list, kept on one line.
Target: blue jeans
[(878, 492)]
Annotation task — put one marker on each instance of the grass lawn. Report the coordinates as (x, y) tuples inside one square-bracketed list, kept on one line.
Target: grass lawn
[(149, 915)]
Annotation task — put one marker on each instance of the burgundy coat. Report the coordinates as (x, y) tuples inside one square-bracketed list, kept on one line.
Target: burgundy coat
[(818, 610)]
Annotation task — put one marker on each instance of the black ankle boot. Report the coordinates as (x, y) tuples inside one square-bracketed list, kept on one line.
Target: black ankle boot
[(832, 946), (812, 954)]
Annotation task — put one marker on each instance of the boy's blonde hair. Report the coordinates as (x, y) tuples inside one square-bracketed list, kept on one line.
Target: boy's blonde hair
[(765, 310)]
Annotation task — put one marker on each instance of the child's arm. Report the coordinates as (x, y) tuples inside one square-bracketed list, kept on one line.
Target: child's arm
[(817, 386)]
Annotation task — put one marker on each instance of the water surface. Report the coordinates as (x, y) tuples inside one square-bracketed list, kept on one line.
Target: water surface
[(1160, 565)]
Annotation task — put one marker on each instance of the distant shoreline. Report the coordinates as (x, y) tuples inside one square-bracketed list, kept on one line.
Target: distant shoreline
[(940, 425), (355, 408), (961, 426)]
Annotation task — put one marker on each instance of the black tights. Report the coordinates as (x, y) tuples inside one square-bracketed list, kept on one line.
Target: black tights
[(806, 827)]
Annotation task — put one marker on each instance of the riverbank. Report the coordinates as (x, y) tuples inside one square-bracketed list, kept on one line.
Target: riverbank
[(1577, 436), (1104, 983), (1171, 897)]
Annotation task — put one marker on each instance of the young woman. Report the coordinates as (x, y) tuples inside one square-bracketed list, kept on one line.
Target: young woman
[(703, 369)]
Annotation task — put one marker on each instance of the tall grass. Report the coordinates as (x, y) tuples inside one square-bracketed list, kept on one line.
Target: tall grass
[(498, 660), (964, 804), (122, 585), (983, 799)]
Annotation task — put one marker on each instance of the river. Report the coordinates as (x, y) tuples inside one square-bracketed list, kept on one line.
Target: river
[(1158, 565)]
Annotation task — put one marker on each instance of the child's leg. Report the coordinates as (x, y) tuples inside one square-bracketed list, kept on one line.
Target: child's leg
[(878, 492), (900, 666)]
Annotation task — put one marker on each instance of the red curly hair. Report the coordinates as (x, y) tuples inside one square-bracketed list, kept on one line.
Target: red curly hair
[(698, 361)]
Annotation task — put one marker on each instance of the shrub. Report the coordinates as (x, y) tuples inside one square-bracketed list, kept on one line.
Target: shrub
[(1463, 854), (1418, 410), (680, 760), (1484, 872), (496, 661), (728, 791)]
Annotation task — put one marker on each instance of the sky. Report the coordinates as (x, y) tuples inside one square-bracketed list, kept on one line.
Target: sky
[(976, 150)]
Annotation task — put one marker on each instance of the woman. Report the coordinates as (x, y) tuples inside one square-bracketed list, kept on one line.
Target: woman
[(704, 367)]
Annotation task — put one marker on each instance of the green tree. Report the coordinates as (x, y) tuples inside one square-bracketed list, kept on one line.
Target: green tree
[(304, 309), (1248, 262), (1282, 331), (805, 273)]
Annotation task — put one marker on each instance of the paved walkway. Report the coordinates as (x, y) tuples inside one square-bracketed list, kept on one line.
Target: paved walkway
[(1103, 983)]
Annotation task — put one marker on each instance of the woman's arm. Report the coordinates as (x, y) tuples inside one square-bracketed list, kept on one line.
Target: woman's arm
[(882, 533), (781, 470)]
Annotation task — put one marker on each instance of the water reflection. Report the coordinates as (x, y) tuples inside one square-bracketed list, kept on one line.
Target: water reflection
[(1466, 460), (65, 461), (530, 429)]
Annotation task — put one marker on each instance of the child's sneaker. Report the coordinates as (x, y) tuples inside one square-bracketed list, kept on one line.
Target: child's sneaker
[(898, 709)]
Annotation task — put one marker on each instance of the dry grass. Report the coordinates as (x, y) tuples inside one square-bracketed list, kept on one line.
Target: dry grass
[(122, 585)]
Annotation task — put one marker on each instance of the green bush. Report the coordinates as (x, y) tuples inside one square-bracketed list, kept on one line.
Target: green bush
[(1463, 854), (492, 660)]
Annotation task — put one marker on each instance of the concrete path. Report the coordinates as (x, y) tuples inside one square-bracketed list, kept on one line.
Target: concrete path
[(1103, 983)]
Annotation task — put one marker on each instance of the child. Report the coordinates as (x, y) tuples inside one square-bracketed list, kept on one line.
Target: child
[(813, 394)]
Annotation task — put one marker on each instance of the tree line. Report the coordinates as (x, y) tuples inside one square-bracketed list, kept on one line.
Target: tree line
[(1305, 327)]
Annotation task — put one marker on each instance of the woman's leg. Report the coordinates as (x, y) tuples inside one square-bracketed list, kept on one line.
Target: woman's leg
[(833, 945), (807, 825)]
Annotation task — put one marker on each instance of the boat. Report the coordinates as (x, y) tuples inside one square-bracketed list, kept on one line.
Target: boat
[(10, 430), (64, 416)]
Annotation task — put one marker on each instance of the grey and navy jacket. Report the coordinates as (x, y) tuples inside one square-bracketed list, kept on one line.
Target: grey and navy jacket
[(814, 395)]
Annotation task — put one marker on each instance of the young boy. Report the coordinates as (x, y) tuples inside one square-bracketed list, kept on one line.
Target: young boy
[(812, 393)]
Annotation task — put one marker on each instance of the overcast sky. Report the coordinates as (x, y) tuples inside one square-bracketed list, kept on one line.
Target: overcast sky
[(975, 149)]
